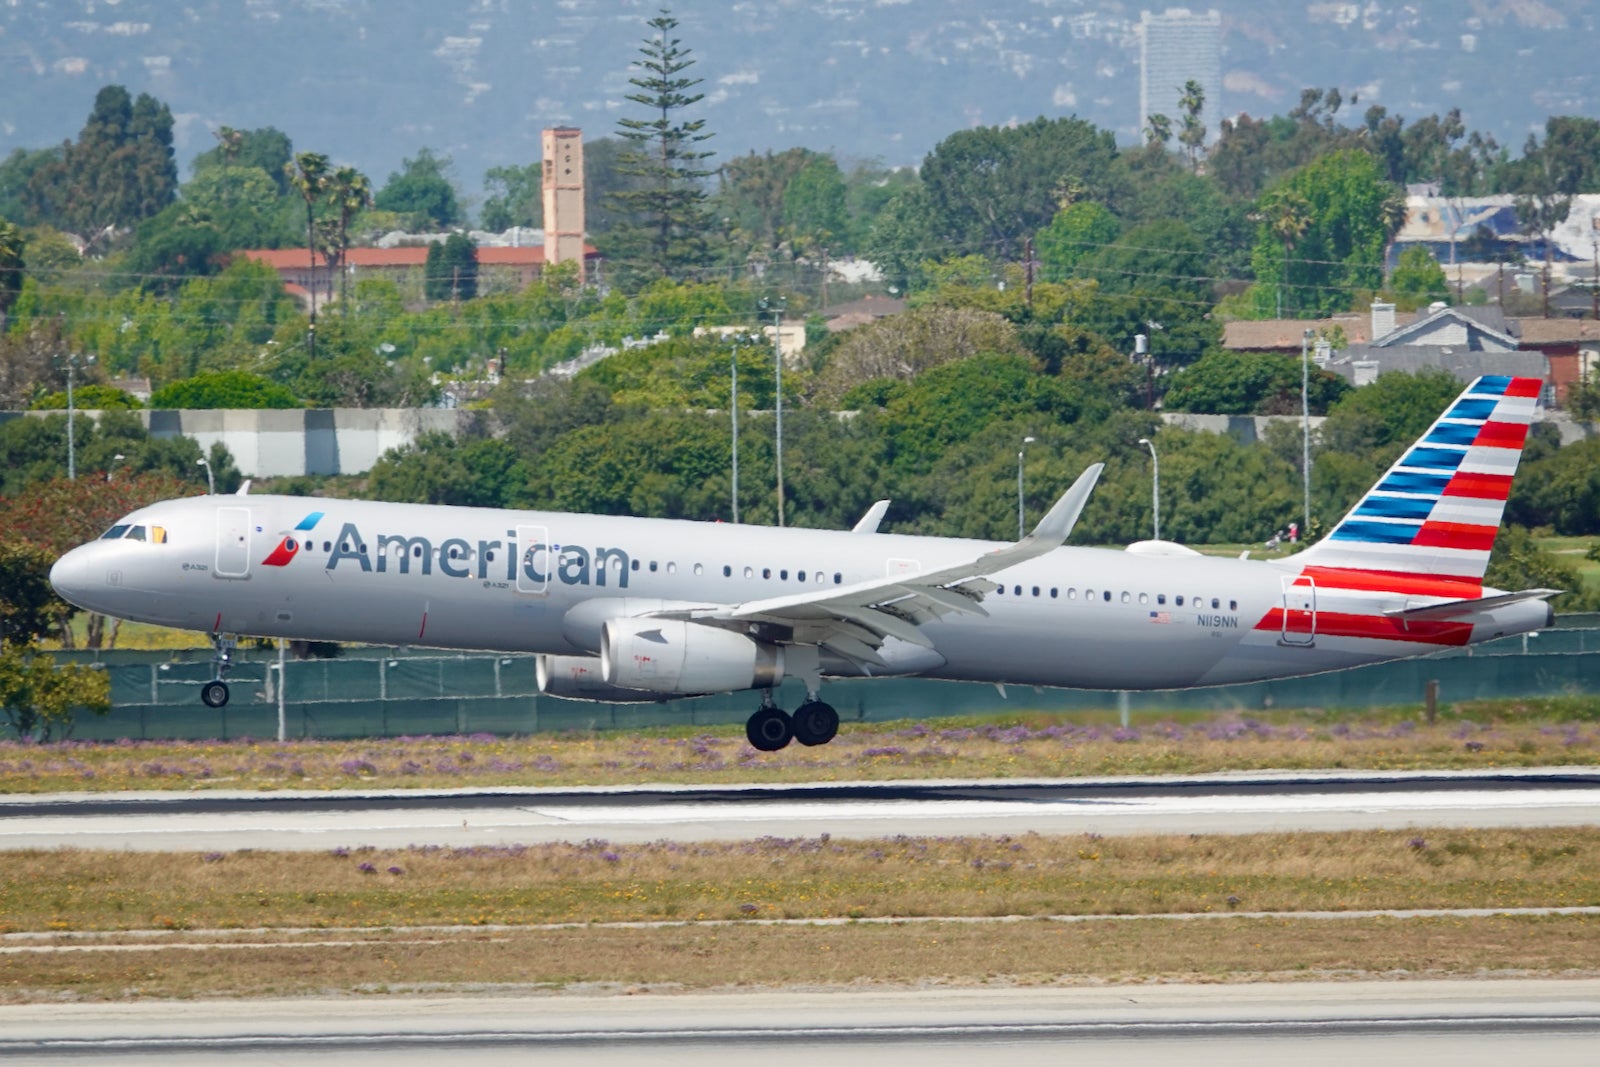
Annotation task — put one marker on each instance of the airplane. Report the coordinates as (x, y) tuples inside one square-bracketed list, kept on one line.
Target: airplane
[(623, 609)]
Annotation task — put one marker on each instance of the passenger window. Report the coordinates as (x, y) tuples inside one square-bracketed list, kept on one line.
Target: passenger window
[(672, 568), (1106, 596), (1127, 598), (1000, 591), (1215, 603), (1233, 605), (1178, 600), (1144, 598), (784, 574), (727, 571), (1088, 594), (1035, 590), (698, 570), (1053, 592), (1161, 598), (115, 533), (652, 566), (749, 572), (837, 578), (766, 572), (1072, 594), (1016, 590)]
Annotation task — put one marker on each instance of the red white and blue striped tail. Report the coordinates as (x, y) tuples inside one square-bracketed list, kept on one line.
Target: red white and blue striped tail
[(1436, 512)]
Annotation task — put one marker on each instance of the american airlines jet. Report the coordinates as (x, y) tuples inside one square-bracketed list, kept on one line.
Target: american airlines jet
[(640, 610)]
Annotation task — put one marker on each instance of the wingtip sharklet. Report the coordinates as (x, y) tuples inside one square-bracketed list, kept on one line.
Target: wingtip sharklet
[(1057, 524)]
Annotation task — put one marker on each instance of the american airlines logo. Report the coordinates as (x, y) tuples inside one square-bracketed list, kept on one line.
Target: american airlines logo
[(289, 547), (489, 560)]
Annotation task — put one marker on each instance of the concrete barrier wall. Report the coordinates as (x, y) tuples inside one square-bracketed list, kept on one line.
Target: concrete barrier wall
[(267, 444)]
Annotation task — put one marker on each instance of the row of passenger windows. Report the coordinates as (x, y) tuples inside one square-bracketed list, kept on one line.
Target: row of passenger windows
[(1125, 597)]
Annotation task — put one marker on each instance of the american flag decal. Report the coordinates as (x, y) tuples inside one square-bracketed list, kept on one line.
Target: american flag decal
[(1161, 616)]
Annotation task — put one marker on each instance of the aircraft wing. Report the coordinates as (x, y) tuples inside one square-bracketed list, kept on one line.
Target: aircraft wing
[(854, 620)]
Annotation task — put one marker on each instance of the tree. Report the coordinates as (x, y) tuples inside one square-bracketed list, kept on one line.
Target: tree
[(267, 149), (1192, 133), (1418, 280), (904, 346), (422, 191), (451, 271), (439, 468), (514, 196), (753, 197), (119, 171), (40, 698), (814, 206), (223, 389), (991, 187), (1079, 229), (1335, 217), (351, 194), (310, 178), (900, 240), (1239, 383), (11, 267), (664, 229), (29, 609), (242, 203)]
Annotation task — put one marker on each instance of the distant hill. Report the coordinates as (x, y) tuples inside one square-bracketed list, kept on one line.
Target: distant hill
[(371, 81)]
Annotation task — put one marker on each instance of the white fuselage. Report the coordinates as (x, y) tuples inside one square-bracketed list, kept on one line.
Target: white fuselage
[(471, 578)]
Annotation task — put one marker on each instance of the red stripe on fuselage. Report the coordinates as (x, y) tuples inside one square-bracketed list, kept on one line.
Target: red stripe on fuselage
[(1366, 581), (1479, 486), (1374, 627), (1455, 535)]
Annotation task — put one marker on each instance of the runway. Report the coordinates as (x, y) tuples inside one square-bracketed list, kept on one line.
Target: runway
[(1313, 1024), (1227, 803)]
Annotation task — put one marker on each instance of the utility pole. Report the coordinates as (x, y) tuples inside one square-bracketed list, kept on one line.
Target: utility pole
[(1027, 251), (777, 350), (735, 412), (1305, 427)]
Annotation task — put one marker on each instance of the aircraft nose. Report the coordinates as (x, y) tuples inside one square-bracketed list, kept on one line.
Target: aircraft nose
[(72, 576)]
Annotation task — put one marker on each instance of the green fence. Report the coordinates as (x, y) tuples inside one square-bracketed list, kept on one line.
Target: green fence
[(384, 693)]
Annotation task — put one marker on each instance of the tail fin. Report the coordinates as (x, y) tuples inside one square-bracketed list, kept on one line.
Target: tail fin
[(1436, 512)]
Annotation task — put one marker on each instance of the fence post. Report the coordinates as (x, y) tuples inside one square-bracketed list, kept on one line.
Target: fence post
[(1431, 700)]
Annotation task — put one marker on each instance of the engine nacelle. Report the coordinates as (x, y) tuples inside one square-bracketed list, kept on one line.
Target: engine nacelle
[(679, 658), (580, 678)]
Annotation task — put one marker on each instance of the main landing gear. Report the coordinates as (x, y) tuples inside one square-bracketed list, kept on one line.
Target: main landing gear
[(771, 728), (214, 694)]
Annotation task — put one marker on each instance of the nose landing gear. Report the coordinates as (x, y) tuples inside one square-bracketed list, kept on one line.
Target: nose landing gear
[(214, 694)]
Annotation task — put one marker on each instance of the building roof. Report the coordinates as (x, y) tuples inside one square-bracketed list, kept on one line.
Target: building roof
[(1284, 335), (1417, 331), (1465, 364), (1557, 331), (405, 256)]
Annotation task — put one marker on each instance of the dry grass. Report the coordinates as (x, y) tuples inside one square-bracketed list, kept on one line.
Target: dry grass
[(692, 958), (1512, 734), (799, 878)]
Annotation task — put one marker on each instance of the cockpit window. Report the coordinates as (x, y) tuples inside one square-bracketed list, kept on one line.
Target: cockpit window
[(158, 535), (124, 531), (115, 532), (136, 533)]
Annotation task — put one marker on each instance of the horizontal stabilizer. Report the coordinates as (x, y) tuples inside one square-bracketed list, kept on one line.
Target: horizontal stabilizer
[(1455, 609)]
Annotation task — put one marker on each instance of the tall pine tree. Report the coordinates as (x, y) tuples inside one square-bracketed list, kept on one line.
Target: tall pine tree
[(663, 232)]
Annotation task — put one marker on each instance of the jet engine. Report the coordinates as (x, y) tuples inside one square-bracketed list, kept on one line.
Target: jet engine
[(579, 678), (679, 658)]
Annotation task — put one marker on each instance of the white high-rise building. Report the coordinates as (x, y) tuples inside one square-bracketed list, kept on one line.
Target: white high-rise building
[(1176, 47)]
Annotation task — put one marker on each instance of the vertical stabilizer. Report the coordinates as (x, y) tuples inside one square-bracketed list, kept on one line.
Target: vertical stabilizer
[(1435, 513)]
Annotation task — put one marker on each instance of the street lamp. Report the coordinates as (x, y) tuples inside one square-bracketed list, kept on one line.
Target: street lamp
[(111, 470), (1155, 485), (734, 365), (72, 442), (1305, 427), (776, 308), (211, 481), (1026, 441)]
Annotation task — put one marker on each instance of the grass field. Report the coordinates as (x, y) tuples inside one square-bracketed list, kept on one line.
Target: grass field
[(1563, 731), (909, 911)]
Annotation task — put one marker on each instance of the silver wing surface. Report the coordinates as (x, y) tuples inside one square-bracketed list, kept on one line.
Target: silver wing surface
[(853, 621)]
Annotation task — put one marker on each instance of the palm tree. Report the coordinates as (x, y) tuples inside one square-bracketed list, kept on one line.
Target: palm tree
[(309, 175), (351, 194), (1287, 216)]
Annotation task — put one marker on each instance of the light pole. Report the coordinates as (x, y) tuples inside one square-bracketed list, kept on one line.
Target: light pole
[(112, 470), (1155, 485), (1026, 441), (1305, 427), (734, 365), (72, 417), (211, 481), (777, 351)]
